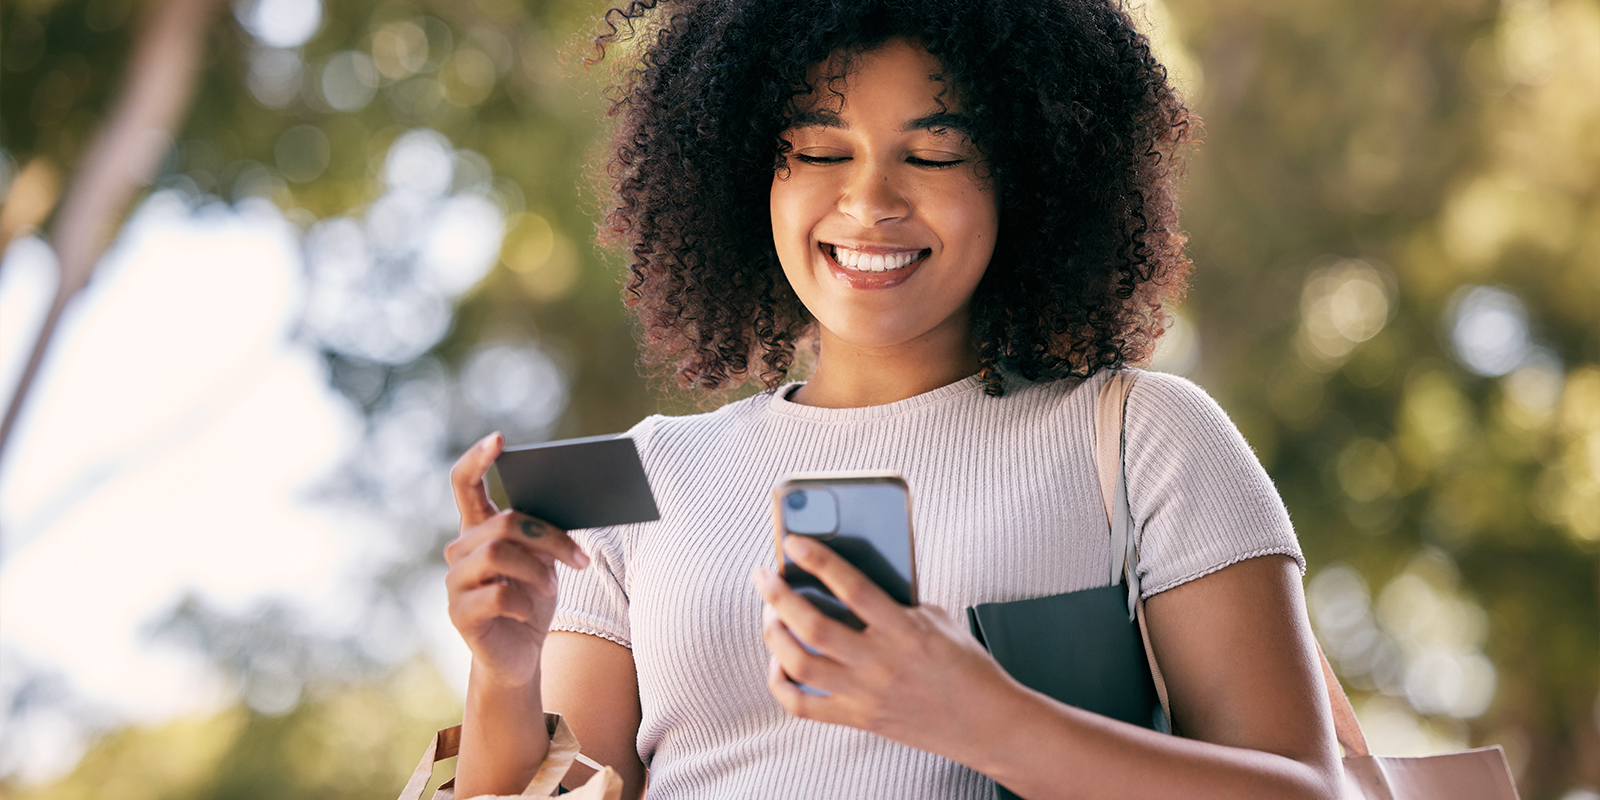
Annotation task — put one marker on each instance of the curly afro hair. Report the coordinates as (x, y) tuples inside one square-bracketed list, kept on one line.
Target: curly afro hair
[(1077, 122)]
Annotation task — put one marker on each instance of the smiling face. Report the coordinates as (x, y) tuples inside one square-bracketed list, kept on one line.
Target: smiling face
[(882, 220)]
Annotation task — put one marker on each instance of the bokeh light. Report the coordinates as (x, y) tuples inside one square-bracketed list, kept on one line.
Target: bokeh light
[(1422, 640), (419, 163), (274, 76), (1342, 305), (516, 386), (302, 153), (400, 49), (1488, 329), (280, 23), (462, 245), (349, 80)]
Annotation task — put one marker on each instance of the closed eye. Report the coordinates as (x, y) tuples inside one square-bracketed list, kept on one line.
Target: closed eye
[(805, 159), (933, 163)]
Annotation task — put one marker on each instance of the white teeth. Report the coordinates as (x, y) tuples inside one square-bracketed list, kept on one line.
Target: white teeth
[(868, 262)]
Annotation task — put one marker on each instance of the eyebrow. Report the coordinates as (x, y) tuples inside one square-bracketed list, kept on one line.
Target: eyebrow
[(936, 121), (939, 120)]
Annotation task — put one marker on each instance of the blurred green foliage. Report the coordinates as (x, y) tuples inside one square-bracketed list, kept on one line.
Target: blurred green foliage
[(1395, 218), (346, 742)]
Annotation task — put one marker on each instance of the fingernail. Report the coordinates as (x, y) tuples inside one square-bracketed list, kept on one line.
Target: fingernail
[(484, 442), (761, 576), (581, 557)]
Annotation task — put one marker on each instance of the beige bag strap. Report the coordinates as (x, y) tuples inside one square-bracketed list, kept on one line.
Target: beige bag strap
[(1108, 437), (1346, 728), (563, 751), (1108, 415), (445, 744)]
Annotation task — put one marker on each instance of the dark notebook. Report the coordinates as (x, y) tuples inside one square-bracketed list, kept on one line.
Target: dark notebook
[(1079, 648)]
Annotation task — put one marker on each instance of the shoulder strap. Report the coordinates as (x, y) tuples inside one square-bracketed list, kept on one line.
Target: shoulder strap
[(1108, 449), (1108, 413), (1124, 566)]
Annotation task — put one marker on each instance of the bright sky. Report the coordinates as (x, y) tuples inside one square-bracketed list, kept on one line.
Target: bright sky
[(169, 446)]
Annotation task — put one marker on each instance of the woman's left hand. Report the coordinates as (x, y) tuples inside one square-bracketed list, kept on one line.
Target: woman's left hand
[(913, 675)]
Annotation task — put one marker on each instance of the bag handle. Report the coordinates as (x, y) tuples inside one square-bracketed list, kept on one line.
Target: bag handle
[(1109, 409), (447, 744)]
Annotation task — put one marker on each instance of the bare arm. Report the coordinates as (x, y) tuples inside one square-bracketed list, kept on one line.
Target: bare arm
[(591, 682), (502, 588), (1246, 694), (1234, 647), (503, 737)]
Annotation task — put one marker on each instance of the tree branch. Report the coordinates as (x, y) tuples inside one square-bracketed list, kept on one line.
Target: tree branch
[(122, 159)]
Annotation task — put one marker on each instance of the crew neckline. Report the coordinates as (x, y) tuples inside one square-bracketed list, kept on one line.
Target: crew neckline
[(779, 402)]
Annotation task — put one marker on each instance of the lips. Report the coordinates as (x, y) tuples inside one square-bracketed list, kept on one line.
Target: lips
[(872, 267)]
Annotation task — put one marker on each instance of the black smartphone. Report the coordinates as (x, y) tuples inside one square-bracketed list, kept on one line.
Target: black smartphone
[(578, 483), (864, 517)]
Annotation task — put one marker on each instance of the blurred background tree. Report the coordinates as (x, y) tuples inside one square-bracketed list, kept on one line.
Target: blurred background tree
[(1395, 219)]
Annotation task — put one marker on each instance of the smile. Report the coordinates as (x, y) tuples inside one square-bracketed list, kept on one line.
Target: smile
[(860, 261), (872, 267)]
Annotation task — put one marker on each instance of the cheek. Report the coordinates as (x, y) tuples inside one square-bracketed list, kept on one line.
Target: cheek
[(796, 207), (969, 221), (784, 206)]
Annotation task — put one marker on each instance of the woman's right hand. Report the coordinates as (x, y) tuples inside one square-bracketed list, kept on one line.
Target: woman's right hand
[(502, 578)]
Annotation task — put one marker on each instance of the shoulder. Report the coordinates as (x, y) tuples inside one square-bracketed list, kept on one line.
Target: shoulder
[(1200, 498), (1174, 408), (1157, 392), (1178, 439)]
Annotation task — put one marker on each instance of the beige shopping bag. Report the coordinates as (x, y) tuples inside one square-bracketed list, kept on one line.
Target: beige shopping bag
[(605, 785), (1480, 774)]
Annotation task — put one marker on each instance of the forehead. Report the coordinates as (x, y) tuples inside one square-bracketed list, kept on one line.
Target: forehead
[(899, 70)]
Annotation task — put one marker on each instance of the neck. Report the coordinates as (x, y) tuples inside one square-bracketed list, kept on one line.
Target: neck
[(853, 376)]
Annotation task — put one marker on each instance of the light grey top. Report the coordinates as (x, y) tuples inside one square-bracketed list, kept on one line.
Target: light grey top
[(1006, 506)]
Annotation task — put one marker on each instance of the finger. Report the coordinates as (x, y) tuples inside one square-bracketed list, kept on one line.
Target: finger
[(474, 607), (821, 632), (500, 558), (466, 480), (542, 539), (800, 664), (870, 603), (789, 694)]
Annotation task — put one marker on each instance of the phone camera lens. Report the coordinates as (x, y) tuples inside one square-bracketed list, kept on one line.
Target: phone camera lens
[(796, 500)]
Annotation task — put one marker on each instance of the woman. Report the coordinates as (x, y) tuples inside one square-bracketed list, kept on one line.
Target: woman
[(967, 209)]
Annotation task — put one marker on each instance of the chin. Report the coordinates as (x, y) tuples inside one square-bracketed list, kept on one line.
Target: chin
[(875, 334)]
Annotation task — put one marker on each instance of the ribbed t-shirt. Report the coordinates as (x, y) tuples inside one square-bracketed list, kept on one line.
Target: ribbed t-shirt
[(1006, 506)]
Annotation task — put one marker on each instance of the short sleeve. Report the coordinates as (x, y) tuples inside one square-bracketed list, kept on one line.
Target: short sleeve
[(1199, 497), (594, 600)]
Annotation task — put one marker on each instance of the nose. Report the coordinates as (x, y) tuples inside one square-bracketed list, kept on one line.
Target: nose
[(873, 195)]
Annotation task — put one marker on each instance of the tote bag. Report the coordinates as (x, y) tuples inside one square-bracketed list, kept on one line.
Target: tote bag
[(605, 784)]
